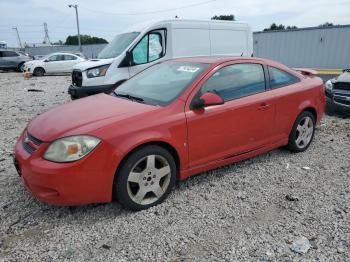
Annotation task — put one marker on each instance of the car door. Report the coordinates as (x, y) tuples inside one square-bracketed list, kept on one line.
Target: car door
[(53, 64), (243, 123), (10, 59), (68, 63), (148, 51)]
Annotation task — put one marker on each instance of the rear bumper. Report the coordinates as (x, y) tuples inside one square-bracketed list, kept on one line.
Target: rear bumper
[(83, 91), (89, 180)]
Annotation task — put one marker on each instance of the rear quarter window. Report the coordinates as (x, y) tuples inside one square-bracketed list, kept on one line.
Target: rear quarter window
[(70, 57), (280, 78)]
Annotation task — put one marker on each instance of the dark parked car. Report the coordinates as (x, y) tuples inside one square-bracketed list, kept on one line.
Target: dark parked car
[(13, 60), (338, 93)]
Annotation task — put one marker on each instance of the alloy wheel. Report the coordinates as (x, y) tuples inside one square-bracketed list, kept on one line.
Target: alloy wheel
[(149, 179), (304, 132)]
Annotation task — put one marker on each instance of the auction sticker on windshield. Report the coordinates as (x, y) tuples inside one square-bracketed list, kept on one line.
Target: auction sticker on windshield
[(189, 69)]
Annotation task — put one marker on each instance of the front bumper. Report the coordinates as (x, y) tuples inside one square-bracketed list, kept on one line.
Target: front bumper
[(83, 91), (338, 101), (89, 180)]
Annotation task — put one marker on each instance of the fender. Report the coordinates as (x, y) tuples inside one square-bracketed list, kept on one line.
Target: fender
[(158, 135)]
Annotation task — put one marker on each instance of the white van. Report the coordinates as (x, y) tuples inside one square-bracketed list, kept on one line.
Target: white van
[(144, 45)]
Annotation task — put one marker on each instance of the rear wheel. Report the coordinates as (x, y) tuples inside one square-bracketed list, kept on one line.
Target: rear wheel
[(302, 132), (39, 71), (145, 178)]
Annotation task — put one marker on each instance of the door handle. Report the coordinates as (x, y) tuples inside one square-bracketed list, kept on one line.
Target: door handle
[(264, 106)]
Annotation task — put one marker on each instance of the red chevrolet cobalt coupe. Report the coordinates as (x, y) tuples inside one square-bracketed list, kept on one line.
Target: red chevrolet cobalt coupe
[(173, 120)]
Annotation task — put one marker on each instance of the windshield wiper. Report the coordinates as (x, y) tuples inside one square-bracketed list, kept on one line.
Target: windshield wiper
[(130, 97)]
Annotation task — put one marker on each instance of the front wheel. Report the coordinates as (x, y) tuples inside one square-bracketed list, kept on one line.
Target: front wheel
[(145, 178), (302, 132), (39, 71)]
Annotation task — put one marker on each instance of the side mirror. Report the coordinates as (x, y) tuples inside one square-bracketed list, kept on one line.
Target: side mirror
[(46, 60), (129, 58), (207, 99)]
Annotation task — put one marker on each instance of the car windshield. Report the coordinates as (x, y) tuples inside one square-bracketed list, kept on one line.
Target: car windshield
[(161, 83), (118, 45)]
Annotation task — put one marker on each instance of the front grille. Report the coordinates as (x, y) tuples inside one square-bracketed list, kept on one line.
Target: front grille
[(35, 140), (27, 147), (77, 78), (342, 100), (28, 143), (342, 86)]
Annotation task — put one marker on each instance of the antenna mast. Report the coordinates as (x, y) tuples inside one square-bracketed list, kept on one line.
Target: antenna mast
[(47, 38)]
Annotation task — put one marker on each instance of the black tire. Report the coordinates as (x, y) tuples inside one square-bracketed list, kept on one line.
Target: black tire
[(292, 144), (122, 185), (39, 71), (20, 67)]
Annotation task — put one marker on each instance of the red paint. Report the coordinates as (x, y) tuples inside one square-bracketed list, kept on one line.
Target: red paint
[(203, 138), (210, 99)]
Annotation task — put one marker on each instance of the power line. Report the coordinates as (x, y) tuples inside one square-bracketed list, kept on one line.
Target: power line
[(151, 12)]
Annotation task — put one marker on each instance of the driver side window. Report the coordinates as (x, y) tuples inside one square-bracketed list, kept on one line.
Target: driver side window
[(149, 49), (235, 81)]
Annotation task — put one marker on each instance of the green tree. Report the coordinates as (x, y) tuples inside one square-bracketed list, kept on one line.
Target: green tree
[(274, 27), (85, 40), (224, 17), (326, 24)]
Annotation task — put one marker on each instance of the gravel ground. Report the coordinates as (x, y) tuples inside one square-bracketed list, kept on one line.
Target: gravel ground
[(259, 209)]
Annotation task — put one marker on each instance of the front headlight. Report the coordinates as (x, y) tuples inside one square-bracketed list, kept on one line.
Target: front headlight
[(329, 86), (97, 71), (69, 149)]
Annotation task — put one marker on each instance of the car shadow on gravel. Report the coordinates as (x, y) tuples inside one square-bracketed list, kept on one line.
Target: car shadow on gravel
[(337, 114), (91, 213), (42, 212)]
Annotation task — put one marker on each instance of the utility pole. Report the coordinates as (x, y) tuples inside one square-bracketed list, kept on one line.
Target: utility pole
[(76, 14), (47, 38), (19, 39)]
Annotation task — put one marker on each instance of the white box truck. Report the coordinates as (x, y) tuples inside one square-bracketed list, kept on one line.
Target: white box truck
[(149, 43)]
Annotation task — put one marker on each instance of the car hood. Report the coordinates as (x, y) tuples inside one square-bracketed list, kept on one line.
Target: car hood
[(84, 116), (34, 62), (344, 77), (92, 63)]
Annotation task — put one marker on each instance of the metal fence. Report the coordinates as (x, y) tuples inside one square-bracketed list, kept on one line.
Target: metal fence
[(91, 51), (316, 47)]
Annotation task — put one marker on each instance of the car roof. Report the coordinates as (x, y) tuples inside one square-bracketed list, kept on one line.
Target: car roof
[(144, 26), (62, 53), (219, 59)]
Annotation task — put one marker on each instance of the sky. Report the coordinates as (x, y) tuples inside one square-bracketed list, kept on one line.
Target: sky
[(106, 18)]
